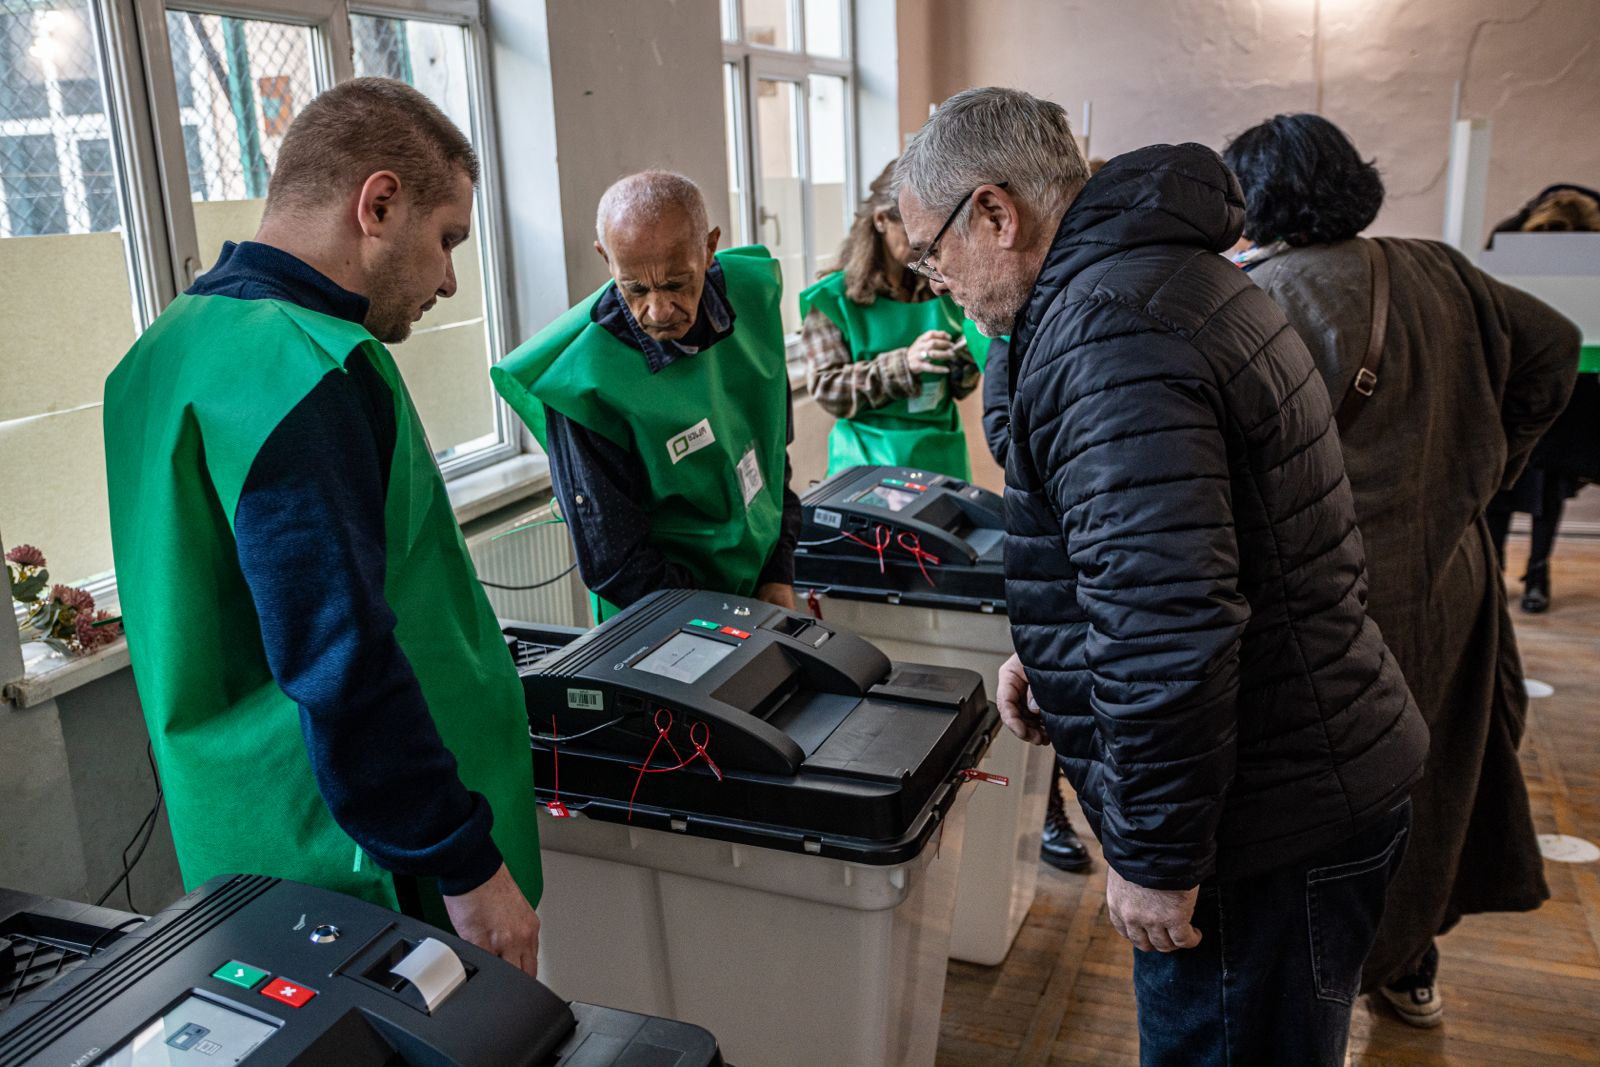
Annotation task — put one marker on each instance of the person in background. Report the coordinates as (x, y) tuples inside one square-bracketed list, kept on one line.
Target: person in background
[(1459, 376), (663, 402), (1060, 846), (883, 354), (1184, 576), (346, 714), (1568, 456)]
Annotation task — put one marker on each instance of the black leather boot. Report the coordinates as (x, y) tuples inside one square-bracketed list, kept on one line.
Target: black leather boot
[(1536, 589), (1061, 847)]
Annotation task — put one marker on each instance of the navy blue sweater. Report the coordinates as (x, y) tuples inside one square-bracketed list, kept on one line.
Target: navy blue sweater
[(615, 556), (311, 541)]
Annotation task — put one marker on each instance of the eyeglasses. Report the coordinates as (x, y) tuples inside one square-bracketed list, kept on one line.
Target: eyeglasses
[(921, 265)]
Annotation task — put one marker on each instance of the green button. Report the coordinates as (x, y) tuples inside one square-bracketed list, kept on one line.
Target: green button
[(240, 974), (704, 625), (893, 481)]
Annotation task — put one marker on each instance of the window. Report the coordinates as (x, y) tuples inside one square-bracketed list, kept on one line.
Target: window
[(446, 362), (789, 86), (250, 79), (110, 206), (72, 278)]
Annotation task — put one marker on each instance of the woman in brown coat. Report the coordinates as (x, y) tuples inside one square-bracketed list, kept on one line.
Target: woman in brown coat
[(1469, 374)]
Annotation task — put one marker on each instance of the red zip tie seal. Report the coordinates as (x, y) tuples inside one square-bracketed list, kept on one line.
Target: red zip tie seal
[(880, 541), (911, 543), (972, 774), (556, 809), (814, 604)]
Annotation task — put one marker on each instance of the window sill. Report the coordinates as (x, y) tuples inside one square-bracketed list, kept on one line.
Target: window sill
[(36, 689), (481, 492), (472, 496)]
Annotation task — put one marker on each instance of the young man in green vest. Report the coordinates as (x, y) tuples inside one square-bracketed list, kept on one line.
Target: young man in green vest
[(327, 691), (663, 401)]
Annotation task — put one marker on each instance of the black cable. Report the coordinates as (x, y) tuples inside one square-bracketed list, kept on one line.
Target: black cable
[(146, 830), (526, 588)]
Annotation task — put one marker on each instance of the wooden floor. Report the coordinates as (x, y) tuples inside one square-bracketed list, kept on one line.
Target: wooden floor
[(1518, 989)]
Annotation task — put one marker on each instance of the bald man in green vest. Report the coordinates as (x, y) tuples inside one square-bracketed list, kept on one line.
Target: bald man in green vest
[(663, 402)]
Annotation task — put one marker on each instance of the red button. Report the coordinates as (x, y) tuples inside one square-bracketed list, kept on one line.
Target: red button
[(287, 992), (918, 488), (731, 632)]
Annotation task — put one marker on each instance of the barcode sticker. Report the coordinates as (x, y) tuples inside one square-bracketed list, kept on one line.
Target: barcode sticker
[(825, 517), (586, 699)]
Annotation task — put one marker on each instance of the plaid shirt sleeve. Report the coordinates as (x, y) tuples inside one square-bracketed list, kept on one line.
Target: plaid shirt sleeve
[(841, 386)]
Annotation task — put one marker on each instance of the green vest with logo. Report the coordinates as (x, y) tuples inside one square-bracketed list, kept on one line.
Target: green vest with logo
[(186, 411), (711, 429), (923, 431)]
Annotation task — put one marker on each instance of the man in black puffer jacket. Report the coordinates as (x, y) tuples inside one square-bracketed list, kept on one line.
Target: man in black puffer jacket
[(1184, 576)]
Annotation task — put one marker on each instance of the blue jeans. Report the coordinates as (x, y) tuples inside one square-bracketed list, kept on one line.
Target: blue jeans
[(1278, 968)]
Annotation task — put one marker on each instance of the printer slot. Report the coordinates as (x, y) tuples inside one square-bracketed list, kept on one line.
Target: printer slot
[(374, 965)]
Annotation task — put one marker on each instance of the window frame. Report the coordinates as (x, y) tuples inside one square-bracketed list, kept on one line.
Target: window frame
[(144, 125), (333, 62), (753, 63)]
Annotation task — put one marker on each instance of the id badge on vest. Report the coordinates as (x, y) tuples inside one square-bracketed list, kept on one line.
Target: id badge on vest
[(750, 476), (931, 396)]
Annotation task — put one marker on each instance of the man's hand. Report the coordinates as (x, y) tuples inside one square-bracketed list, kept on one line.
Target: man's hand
[(777, 593), (1151, 918), (497, 918), (929, 353), (1014, 697)]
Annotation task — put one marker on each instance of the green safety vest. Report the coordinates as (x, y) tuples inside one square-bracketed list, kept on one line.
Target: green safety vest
[(186, 411), (711, 429), (923, 431)]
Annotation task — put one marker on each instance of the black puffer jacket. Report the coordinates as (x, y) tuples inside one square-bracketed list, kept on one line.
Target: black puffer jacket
[(1184, 575)]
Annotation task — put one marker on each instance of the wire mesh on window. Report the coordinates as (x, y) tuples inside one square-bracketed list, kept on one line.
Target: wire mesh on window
[(240, 84), (429, 56), (56, 162)]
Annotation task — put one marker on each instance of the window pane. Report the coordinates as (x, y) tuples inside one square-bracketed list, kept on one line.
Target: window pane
[(781, 221), (730, 108), (829, 158), (766, 22), (30, 176), (99, 184), (446, 360), (825, 28), (246, 80), (60, 236)]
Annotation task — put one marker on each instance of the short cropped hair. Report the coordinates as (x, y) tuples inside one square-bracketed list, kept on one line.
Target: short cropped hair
[(990, 135), (650, 194), (1304, 182), (360, 127)]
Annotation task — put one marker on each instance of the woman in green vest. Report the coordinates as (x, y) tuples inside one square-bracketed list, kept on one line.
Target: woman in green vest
[(884, 355)]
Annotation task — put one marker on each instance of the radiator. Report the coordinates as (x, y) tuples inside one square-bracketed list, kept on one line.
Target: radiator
[(507, 555)]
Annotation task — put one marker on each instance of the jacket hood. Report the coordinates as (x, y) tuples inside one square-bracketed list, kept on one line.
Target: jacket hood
[(1158, 195)]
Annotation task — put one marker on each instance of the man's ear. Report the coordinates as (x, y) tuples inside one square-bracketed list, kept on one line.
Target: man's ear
[(598, 247), (712, 240), (993, 207), (375, 204)]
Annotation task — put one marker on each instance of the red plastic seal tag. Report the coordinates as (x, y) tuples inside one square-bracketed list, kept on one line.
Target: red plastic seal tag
[(558, 810), (972, 774)]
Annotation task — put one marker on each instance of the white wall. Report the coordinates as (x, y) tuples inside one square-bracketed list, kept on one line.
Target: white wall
[(637, 84), (1205, 70)]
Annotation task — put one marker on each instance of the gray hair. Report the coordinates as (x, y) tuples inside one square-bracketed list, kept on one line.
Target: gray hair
[(650, 194), (983, 136)]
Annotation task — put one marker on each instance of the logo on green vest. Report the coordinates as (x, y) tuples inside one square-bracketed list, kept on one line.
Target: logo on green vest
[(691, 440)]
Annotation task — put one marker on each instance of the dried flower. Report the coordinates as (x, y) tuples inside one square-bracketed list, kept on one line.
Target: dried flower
[(26, 556), (88, 636), (72, 599)]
